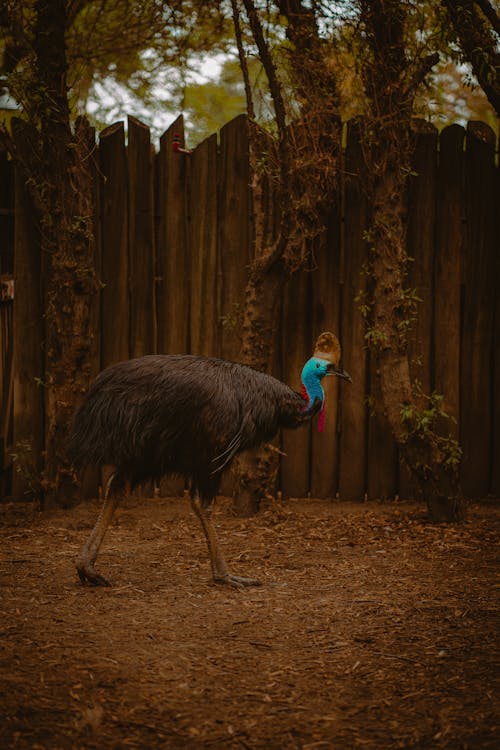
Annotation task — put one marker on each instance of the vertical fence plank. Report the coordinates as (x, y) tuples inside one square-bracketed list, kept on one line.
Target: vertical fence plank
[(448, 272), (205, 313), (477, 329), (296, 346), (114, 244), (235, 234), (95, 312), (142, 261), (91, 477), (495, 469), (382, 449), (7, 213), (353, 412), (6, 396), (420, 248), (172, 252), (326, 317), (28, 335)]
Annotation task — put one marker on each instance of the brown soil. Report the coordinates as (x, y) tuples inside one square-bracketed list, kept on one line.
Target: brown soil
[(371, 630)]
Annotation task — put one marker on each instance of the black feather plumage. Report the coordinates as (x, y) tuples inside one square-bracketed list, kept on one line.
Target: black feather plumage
[(180, 414)]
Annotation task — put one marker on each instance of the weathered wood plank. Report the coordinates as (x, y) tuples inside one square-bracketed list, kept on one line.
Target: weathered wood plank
[(353, 410), (28, 335), (420, 248), (325, 282), (450, 212), (6, 396), (6, 214), (297, 346), (172, 252), (235, 234), (495, 469), (477, 322), (6, 311), (114, 246), (205, 311), (382, 449), (141, 240), (90, 481)]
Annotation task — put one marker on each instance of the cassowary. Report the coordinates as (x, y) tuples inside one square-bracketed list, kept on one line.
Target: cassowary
[(185, 415)]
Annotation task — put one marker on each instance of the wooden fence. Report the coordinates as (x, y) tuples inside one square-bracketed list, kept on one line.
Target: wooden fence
[(175, 240)]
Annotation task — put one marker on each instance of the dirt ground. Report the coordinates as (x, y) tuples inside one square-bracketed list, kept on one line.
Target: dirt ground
[(372, 629)]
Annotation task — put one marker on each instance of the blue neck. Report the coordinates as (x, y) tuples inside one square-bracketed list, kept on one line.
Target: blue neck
[(313, 387)]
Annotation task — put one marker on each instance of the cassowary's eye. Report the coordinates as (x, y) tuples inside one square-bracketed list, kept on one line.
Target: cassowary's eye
[(317, 365)]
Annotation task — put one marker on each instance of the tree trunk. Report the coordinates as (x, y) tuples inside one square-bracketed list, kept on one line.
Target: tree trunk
[(57, 166), (70, 291), (256, 471), (431, 458)]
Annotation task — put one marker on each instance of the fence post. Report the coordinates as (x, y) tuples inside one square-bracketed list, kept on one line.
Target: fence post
[(448, 272), (172, 252), (235, 231), (421, 237), (495, 470), (114, 239), (480, 251), (28, 337), (297, 346), (142, 262), (6, 309), (205, 281), (353, 415)]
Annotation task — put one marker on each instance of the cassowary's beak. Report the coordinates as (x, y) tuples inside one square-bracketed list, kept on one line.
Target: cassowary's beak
[(332, 369)]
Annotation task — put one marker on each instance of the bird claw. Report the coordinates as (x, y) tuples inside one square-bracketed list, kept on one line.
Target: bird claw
[(87, 574), (238, 582)]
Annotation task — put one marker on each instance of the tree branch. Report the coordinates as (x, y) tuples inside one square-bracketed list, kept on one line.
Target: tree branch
[(478, 44), (275, 254), (270, 68), (423, 70), (490, 14), (243, 60)]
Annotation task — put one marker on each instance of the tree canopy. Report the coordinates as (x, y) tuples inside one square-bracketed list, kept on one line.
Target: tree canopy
[(154, 58)]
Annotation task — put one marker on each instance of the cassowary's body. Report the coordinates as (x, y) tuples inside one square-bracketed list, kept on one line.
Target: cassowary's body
[(187, 415)]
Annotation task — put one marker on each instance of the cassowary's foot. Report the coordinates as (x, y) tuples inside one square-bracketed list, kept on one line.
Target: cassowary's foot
[(88, 574), (238, 582)]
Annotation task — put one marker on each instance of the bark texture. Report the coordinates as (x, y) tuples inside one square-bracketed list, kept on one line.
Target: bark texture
[(391, 82), (56, 163)]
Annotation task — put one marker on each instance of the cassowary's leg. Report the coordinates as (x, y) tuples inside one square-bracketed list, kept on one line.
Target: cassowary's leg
[(220, 571), (87, 558)]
